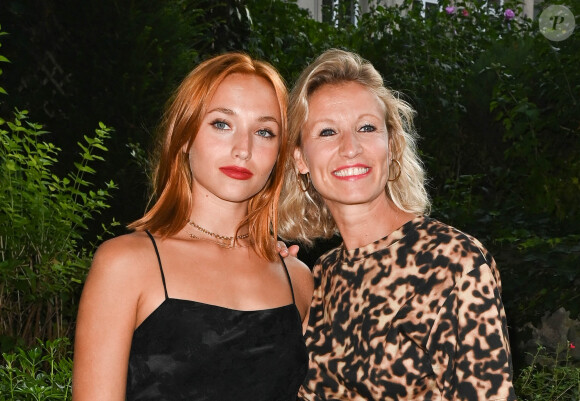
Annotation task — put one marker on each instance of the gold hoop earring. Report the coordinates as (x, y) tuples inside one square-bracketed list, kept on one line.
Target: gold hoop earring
[(304, 186), (398, 174)]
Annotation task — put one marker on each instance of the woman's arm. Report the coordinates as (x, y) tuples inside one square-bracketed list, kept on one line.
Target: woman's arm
[(105, 324), (469, 344)]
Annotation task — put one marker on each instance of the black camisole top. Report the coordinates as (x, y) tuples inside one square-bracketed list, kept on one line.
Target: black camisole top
[(188, 350)]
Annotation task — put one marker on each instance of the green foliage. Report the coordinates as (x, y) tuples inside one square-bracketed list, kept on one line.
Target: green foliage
[(42, 221), (73, 61), (539, 265), (271, 39), (559, 380), (42, 372), (2, 60)]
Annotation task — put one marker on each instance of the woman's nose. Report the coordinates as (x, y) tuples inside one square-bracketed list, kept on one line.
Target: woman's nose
[(350, 145), (242, 148)]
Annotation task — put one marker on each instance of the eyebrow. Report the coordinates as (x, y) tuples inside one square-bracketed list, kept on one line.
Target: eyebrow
[(222, 110), (268, 118), (231, 113), (327, 120)]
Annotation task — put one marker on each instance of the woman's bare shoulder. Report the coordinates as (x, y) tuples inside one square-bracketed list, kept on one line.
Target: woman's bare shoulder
[(127, 246), (296, 266), (124, 255)]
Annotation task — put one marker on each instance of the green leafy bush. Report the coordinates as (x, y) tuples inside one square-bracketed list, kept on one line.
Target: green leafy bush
[(558, 380), (42, 372), (42, 221)]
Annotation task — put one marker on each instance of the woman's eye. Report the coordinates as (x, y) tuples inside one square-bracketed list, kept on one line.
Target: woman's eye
[(266, 133), (327, 132), (221, 125), (368, 128)]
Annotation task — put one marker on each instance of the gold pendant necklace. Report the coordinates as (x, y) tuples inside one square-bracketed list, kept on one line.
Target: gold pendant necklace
[(225, 241), (221, 244)]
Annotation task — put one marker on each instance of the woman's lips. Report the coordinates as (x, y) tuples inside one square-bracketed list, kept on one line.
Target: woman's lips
[(238, 173), (350, 173)]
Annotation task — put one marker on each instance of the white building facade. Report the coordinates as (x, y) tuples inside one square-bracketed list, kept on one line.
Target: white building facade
[(363, 6)]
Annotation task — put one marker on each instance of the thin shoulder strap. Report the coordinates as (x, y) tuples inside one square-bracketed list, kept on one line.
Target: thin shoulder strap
[(159, 260), (289, 279)]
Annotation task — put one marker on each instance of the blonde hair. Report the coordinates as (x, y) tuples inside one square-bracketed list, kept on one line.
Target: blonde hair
[(303, 215), (172, 177)]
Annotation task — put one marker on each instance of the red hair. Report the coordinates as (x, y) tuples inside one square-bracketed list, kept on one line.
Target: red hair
[(181, 121)]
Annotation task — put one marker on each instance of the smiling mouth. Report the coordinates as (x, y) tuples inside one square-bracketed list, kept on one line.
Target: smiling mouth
[(351, 171)]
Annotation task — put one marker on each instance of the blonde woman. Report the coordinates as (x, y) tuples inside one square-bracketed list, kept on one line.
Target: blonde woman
[(195, 304), (407, 308)]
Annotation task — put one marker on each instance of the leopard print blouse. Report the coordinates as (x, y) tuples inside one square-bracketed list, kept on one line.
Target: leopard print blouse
[(416, 315)]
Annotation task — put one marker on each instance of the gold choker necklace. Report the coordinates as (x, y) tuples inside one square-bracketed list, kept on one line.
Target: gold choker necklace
[(218, 236)]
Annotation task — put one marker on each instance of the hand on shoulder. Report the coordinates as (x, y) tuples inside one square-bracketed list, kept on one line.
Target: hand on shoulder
[(286, 251)]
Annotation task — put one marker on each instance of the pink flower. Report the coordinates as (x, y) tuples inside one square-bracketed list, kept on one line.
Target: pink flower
[(465, 12), (509, 14), (449, 9), (572, 346)]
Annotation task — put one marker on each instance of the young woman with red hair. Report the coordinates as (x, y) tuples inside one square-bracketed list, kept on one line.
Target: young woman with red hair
[(195, 304)]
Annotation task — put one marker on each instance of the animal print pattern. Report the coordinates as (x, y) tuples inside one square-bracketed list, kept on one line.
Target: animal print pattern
[(416, 315)]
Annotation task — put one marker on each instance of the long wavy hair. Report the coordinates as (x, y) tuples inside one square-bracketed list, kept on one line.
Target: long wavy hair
[(303, 215), (172, 179)]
